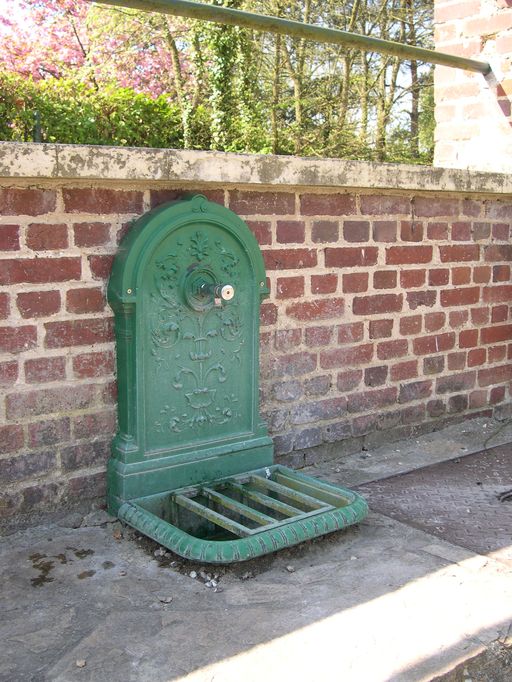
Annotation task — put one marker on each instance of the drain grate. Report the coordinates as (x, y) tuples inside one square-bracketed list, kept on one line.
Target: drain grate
[(243, 516), (259, 500), (457, 500)]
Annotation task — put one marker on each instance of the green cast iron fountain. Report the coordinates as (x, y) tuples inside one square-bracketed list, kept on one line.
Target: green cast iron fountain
[(192, 463)]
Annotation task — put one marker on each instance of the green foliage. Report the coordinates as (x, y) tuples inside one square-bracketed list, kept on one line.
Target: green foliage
[(70, 112), (16, 108), (427, 118), (150, 80)]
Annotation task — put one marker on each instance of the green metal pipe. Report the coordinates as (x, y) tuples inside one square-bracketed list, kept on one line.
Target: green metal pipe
[(263, 22)]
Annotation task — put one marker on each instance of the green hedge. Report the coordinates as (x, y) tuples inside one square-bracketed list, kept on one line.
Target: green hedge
[(71, 112)]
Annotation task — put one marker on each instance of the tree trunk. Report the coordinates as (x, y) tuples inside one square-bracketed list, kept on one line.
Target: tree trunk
[(179, 84), (387, 91), (364, 92), (297, 77), (275, 97), (348, 61), (297, 101), (415, 89)]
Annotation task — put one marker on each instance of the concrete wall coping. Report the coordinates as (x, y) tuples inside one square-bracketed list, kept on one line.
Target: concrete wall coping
[(31, 161)]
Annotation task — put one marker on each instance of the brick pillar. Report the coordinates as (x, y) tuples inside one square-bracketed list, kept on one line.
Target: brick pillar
[(473, 116)]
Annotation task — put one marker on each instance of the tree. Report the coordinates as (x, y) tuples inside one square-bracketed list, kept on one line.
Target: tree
[(233, 88), (43, 38)]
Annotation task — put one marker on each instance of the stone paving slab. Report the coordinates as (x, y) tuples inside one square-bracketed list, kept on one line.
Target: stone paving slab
[(380, 602), (383, 588)]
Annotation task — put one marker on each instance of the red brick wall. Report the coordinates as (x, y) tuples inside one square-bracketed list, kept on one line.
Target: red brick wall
[(473, 112), (388, 314)]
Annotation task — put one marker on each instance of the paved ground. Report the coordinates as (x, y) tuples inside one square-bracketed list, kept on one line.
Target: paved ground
[(381, 602), (463, 501)]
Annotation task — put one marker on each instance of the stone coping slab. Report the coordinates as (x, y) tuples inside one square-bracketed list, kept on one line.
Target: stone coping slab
[(62, 162)]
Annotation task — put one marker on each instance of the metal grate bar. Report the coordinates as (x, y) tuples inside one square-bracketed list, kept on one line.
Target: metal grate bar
[(238, 507), (294, 495), (214, 517), (266, 501), (319, 492)]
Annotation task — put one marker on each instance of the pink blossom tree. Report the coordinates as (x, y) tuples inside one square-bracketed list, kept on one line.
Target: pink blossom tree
[(97, 44), (139, 50), (100, 46), (43, 38)]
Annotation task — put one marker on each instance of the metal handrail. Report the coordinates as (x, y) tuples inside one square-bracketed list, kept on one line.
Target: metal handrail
[(264, 22)]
